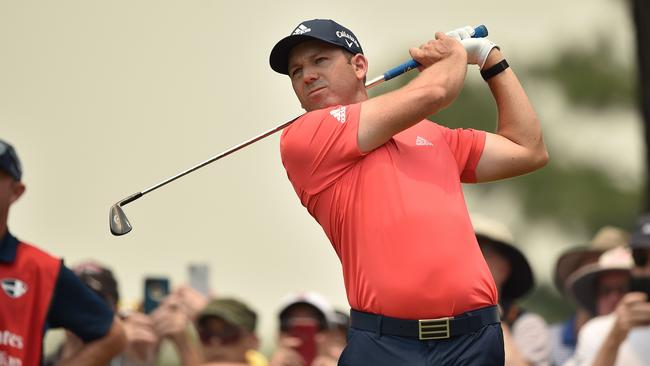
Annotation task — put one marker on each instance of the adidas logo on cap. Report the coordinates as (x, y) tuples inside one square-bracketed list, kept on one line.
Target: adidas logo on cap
[(302, 29)]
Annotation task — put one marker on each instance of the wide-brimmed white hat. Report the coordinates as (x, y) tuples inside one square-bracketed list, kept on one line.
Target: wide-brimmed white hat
[(492, 232), (582, 285), (606, 238)]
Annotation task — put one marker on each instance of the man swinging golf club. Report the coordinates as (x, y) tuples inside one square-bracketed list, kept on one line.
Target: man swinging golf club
[(385, 185)]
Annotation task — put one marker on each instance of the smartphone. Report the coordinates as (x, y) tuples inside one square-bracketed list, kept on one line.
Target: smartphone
[(155, 291), (640, 284), (199, 274), (306, 332)]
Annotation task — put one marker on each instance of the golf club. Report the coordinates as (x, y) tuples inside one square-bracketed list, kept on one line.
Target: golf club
[(119, 223)]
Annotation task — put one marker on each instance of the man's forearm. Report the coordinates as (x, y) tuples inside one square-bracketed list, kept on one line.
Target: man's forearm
[(187, 353), (609, 349), (100, 351), (517, 120)]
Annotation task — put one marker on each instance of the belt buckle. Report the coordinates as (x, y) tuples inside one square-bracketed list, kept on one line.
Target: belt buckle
[(429, 329)]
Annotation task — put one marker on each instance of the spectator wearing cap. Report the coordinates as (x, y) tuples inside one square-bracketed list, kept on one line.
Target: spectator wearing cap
[(226, 328), (623, 337), (100, 279), (39, 292), (142, 341), (526, 335), (310, 332), (564, 335)]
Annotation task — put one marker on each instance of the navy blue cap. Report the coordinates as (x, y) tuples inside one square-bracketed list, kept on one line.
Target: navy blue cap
[(9, 162), (325, 30), (641, 236)]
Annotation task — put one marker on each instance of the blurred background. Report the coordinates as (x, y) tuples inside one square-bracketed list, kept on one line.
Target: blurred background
[(105, 99)]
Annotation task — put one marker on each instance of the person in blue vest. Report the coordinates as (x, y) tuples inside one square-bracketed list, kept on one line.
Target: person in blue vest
[(39, 292)]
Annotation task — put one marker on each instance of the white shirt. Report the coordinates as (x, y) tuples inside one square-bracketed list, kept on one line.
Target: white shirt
[(531, 336), (634, 351)]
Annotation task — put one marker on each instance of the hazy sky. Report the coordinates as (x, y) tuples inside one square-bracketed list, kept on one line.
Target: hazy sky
[(104, 99)]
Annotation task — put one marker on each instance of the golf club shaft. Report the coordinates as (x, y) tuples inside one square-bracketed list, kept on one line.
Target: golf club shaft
[(213, 159), (480, 31)]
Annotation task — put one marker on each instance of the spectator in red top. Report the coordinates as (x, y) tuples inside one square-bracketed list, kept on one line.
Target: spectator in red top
[(385, 185)]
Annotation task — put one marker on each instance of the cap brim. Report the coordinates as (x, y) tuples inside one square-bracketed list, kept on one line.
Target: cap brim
[(582, 284), (570, 261), (279, 58)]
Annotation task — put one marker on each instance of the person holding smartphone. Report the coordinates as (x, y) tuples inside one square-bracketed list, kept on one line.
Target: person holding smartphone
[(309, 332), (622, 338)]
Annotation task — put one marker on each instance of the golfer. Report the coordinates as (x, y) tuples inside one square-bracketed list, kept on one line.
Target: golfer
[(385, 185)]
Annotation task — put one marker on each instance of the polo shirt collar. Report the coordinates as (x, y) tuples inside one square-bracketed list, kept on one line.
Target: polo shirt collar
[(8, 247)]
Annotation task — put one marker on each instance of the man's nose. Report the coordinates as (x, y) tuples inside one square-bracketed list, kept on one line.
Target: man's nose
[(309, 75)]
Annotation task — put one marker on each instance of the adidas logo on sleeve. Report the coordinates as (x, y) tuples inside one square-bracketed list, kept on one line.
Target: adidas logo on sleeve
[(421, 141)]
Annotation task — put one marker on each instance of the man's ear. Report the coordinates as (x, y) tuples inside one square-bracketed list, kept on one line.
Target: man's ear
[(18, 188), (360, 63)]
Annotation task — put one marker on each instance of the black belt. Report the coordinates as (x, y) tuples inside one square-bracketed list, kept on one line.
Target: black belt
[(426, 329)]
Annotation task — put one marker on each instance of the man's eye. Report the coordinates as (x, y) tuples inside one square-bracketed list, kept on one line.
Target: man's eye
[(295, 72), (320, 59)]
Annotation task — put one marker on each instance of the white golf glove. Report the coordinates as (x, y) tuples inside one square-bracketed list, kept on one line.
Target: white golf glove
[(477, 49)]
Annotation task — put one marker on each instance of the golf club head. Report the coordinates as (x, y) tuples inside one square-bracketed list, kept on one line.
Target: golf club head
[(118, 222)]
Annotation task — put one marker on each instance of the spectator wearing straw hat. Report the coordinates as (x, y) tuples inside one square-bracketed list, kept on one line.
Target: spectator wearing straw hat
[(526, 336), (622, 338), (564, 335)]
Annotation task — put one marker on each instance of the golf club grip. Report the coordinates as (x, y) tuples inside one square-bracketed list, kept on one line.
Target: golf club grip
[(479, 32)]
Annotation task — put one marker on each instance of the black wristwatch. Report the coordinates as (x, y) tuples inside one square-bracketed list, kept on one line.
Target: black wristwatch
[(494, 70)]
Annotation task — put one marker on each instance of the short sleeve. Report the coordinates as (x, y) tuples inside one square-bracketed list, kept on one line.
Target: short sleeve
[(590, 339), (531, 335), (75, 307), (320, 146), (466, 145)]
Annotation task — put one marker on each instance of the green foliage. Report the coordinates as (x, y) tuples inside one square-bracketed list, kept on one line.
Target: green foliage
[(576, 196), (474, 108), (546, 302), (591, 78), (570, 194)]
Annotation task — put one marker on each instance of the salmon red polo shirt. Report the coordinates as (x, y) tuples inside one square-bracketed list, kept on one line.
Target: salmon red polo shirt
[(395, 216)]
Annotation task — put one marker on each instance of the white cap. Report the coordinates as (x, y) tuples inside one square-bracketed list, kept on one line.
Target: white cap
[(311, 298)]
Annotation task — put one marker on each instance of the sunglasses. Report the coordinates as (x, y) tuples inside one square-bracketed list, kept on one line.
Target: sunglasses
[(640, 256), (606, 290), (225, 332)]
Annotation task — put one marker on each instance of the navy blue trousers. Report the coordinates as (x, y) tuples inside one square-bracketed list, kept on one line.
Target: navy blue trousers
[(482, 348)]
